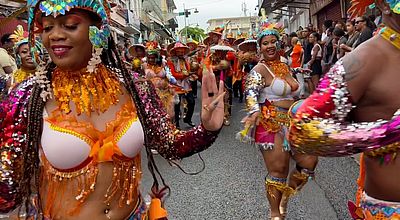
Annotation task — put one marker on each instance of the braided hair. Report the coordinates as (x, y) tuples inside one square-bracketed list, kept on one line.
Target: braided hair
[(111, 58)]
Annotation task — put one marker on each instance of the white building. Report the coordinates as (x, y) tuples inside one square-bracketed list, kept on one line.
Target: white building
[(235, 25)]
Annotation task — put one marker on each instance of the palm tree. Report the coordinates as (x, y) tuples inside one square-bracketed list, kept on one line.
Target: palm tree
[(195, 33)]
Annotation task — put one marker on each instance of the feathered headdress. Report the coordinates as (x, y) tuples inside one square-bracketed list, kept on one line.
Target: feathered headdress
[(269, 28), (152, 47), (20, 37), (358, 7), (98, 37)]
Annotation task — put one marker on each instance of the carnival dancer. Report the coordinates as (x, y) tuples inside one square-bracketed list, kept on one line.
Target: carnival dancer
[(160, 76), (223, 71), (138, 52), (247, 59), (24, 57), (180, 69), (214, 37), (354, 110), (73, 133), (269, 90)]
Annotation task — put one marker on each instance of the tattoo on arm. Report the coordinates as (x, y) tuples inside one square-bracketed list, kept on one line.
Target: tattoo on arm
[(352, 66)]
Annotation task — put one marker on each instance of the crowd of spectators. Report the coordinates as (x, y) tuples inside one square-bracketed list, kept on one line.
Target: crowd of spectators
[(317, 50)]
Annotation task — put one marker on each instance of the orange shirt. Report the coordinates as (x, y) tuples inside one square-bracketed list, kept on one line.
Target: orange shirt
[(296, 56)]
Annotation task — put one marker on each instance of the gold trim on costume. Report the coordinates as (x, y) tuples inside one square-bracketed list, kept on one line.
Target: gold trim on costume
[(90, 92)]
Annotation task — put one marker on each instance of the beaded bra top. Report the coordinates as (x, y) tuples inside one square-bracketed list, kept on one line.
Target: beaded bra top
[(67, 161)]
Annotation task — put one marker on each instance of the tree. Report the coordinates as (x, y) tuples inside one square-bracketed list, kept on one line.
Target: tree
[(195, 33)]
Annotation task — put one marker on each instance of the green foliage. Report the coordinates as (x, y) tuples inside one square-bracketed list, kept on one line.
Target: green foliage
[(195, 33)]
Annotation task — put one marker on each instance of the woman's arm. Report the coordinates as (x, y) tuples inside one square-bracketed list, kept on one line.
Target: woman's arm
[(13, 142), (315, 51), (254, 83), (320, 125), (162, 134), (302, 57)]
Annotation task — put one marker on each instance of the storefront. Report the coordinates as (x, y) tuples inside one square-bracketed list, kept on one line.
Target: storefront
[(335, 10)]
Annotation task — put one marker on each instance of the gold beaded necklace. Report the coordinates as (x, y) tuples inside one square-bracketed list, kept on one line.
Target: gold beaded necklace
[(90, 92), (391, 35)]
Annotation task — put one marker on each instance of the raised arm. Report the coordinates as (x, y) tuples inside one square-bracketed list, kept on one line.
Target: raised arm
[(163, 136)]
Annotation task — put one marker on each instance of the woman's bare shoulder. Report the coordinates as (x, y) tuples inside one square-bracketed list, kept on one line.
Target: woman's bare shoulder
[(259, 68)]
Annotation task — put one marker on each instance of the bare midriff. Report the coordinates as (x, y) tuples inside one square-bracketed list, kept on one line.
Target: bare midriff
[(283, 104), (94, 207), (383, 180)]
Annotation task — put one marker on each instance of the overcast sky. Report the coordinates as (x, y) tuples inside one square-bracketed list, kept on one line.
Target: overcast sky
[(209, 9)]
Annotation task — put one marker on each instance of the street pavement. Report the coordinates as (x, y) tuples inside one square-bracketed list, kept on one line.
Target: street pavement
[(232, 185)]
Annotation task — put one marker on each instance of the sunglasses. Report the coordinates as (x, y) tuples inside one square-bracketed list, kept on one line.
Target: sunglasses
[(357, 22)]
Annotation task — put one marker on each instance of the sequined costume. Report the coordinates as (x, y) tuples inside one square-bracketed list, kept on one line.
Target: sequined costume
[(160, 134), (320, 128), (319, 125), (269, 90), (259, 98), (163, 81), (29, 132)]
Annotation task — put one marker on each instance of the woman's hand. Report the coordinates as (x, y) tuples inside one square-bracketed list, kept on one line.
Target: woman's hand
[(212, 98), (251, 120)]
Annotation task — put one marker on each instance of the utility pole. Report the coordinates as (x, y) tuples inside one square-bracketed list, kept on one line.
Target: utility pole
[(186, 15), (244, 8)]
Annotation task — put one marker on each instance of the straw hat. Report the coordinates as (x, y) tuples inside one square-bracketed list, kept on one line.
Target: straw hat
[(248, 45), (217, 31), (132, 49), (192, 43), (230, 38), (238, 41), (179, 46), (222, 46)]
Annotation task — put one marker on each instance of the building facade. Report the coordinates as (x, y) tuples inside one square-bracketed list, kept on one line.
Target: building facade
[(157, 17), (8, 23), (293, 14), (244, 26), (335, 10)]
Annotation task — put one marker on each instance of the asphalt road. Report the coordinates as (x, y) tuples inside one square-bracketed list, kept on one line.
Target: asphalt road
[(232, 186)]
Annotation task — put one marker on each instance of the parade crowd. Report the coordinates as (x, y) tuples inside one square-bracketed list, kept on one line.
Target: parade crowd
[(77, 108)]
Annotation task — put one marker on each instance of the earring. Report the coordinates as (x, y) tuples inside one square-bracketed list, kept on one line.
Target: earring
[(387, 12), (43, 81), (91, 67)]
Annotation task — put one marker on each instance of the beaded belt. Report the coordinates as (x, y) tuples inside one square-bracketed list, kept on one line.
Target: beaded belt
[(273, 118)]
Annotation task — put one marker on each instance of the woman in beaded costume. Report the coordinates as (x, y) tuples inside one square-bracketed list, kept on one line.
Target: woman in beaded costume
[(354, 110), (72, 134), (270, 90), (160, 76), (24, 59)]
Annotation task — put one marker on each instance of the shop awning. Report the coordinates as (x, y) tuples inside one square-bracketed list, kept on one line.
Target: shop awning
[(273, 5), (162, 30), (131, 29)]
